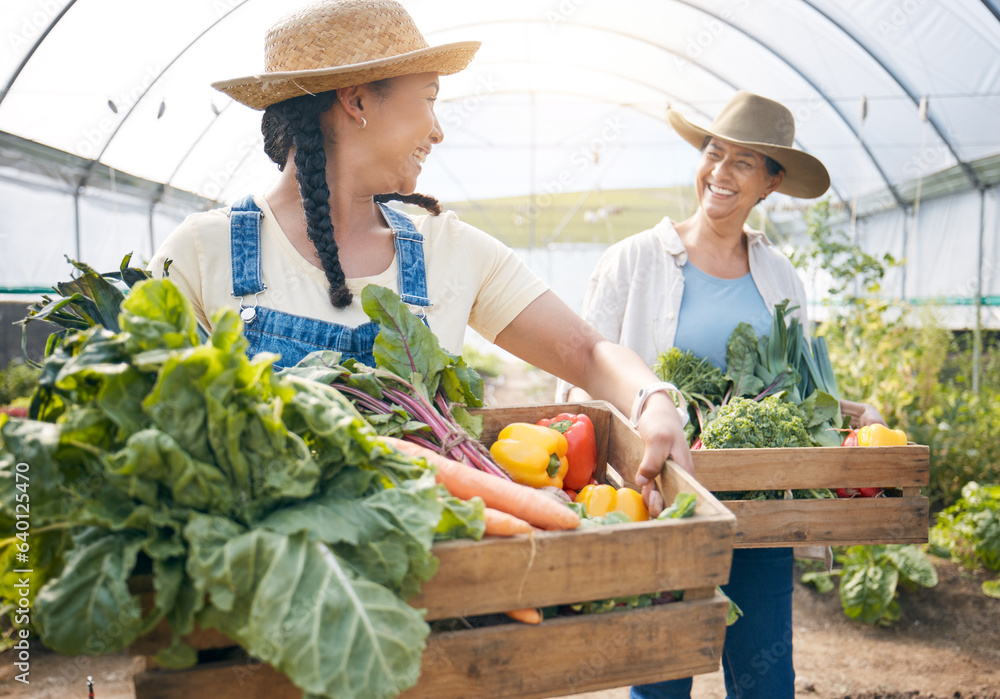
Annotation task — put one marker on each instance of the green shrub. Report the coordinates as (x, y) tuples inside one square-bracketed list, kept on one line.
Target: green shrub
[(18, 380), (869, 579), (969, 532), (901, 360)]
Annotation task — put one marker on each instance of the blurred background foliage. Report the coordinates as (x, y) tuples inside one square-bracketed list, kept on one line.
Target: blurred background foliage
[(900, 359)]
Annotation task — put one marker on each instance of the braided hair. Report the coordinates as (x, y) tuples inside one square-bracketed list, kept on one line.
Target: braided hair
[(295, 123)]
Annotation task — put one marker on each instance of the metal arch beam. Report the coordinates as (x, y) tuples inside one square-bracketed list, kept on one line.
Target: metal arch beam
[(809, 81), (992, 9), (667, 50), (966, 168), (196, 141), (97, 159), (34, 47), (621, 76), (605, 71)]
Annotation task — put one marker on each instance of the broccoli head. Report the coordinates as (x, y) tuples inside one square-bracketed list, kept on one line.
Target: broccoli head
[(748, 424)]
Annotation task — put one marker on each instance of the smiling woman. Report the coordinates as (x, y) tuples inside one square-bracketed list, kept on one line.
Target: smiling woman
[(688, 285), (348, 97)]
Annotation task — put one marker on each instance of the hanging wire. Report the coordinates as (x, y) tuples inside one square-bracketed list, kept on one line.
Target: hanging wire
[(857, 171), (920, 175)]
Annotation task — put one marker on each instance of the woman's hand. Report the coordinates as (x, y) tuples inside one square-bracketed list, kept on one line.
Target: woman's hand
[(552, 337), (861, 414), (663, 436)]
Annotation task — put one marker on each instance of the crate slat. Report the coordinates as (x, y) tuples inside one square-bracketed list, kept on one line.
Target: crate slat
[(559, 656), (812, 467), (840, 522)]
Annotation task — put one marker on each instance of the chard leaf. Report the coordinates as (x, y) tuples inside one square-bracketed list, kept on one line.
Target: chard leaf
[(473, 424), (385, 537), (822, 413), (912, 564), (867, 590), (89, 608), (405, 345), (158, 316), (121, 397), (741, 362), (987, 536), (295, 604), (151, 455), (460, 519), (329, 424), (460, 383), (36, 444)]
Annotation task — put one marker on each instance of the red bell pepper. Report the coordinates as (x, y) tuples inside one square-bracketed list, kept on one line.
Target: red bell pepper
[(582, 451)]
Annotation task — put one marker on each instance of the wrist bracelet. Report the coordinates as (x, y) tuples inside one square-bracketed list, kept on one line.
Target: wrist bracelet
[(659, 387)]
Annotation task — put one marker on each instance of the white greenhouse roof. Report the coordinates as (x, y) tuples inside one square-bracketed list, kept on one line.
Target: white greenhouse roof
[(110, 132), (127, 83)]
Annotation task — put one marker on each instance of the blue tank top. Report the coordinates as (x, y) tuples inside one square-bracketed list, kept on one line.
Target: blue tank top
[(711, 308)]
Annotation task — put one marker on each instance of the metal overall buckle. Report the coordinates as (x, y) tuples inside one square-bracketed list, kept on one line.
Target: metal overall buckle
[(248, 313)]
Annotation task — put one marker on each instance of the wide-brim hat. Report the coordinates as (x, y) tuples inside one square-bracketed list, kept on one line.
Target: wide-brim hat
[(340, 43), (767, 127)]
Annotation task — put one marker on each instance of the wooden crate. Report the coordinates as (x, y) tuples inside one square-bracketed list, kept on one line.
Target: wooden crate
[(899, 518), (560, 656)]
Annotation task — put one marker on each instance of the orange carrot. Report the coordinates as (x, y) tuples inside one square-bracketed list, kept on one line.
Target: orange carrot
[(502, 524), (465, 482), (529, 615)]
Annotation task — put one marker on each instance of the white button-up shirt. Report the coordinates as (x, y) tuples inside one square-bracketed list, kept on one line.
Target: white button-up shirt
[(634, 294)]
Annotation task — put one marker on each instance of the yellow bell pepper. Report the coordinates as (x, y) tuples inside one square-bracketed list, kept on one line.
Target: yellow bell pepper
[(533, 455), (880, 436), (602, 499)]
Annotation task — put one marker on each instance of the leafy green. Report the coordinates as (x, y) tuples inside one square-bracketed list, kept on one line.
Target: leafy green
[(683, 506), (407, 347), (264, 505), (870, 577), (89, 608), (969, 530), (741, 362), (698, 380), (748, 424), (417, 391), (297, 605)]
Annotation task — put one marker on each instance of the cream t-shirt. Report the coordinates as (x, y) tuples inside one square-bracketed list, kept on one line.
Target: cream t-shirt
[(472, 278)]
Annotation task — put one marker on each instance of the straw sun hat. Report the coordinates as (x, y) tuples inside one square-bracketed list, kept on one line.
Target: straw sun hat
[(767, 127), (340, 43)]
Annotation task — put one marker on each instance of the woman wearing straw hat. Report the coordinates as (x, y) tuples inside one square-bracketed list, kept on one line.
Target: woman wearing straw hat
[(348, 97), (688, 284)]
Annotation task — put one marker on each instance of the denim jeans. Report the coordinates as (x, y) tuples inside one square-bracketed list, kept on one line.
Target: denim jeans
[(757, 654), (293, 336)]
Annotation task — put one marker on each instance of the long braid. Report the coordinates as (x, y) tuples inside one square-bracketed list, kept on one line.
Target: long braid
[(295, 123), (425, 202)]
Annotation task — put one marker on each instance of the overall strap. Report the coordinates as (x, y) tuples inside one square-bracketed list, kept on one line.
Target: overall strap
[(244, 245), (409, 257)]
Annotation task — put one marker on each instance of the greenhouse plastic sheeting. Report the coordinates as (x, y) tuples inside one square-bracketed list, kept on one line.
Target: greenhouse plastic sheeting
[(565, 95)]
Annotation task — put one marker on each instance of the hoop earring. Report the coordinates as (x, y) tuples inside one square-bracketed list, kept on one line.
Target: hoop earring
[(363, 123)]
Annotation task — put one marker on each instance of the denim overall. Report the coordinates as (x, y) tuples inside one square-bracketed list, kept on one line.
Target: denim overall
[(292, 336)]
